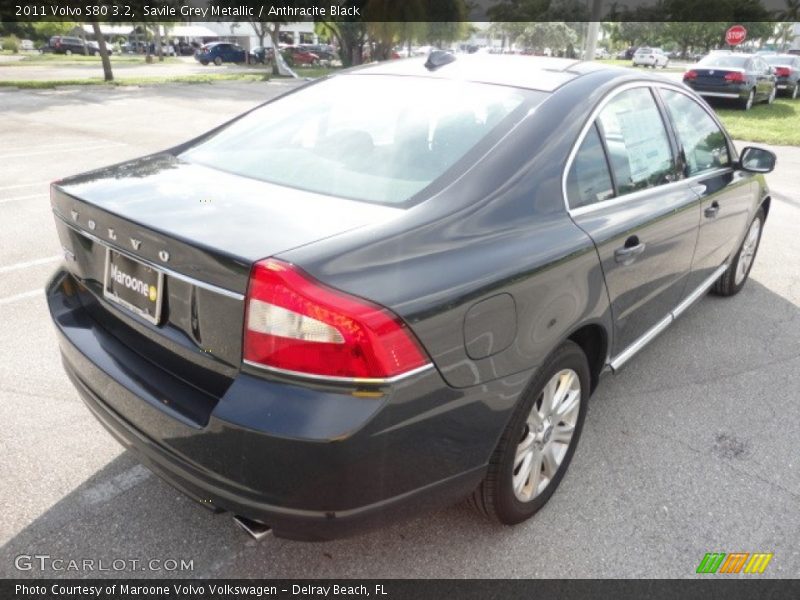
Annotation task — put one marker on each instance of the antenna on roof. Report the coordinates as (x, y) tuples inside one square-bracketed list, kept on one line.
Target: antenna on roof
[(438, 58)]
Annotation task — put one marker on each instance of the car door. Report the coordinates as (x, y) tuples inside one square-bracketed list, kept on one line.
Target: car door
[(706, 158), (624, 190), (763, 78)]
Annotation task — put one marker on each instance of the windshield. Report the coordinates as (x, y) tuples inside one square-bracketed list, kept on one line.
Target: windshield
[(366, 137), (724, 61), (644, 51)]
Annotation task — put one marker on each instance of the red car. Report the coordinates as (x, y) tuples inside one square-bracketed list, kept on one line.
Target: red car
[(298, 56)]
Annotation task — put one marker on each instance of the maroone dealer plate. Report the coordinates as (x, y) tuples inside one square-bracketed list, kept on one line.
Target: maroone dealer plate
[(134, 285)]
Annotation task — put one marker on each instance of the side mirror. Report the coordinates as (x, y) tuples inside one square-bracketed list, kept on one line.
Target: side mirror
[(757, 160)]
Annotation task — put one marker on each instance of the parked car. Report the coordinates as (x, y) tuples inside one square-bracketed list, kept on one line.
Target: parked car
[(786, 68), (295, 55), (745, 78), (601, 53), (188, 48), (324, 52), (27, 45), (650, 57), (261, 54), (220, 52), (434, 332), (64, 44)]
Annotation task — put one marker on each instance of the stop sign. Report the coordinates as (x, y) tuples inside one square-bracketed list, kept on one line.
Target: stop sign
[(735, 35)]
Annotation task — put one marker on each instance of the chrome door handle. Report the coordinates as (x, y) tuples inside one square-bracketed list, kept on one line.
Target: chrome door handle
[(711, 211), (628, 253), (698, 188)]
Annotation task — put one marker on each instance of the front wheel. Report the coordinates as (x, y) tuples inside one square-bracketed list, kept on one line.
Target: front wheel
[(772, 95), (537, 446), (733, 279)]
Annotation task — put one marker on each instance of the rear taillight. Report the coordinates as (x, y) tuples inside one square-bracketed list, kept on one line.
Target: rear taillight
[(689, 75), (734, 77), (783, 71), (295, 323)]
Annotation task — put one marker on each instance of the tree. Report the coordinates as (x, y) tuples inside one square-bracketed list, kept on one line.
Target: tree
[(104, 58), (791, 12), (552, 35)]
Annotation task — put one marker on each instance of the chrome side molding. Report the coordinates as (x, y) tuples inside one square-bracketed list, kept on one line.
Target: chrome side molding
[(624, 356)]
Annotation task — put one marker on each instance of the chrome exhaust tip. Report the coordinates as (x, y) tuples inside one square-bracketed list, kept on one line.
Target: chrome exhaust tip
[(257, 531)]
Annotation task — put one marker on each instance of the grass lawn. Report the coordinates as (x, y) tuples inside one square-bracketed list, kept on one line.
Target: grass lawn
[(79, 59), (778, 124), (129, 81)]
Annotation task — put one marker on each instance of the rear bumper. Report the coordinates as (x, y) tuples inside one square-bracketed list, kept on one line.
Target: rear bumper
[(732, 92), (313, 464)]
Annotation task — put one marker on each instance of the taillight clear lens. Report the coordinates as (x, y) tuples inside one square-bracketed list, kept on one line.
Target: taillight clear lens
[(295, 323)]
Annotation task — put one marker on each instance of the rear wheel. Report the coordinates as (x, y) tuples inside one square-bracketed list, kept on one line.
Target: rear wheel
[(204, 63), (218, 61), (68, 52), (795, 90), (537, 446), (748, 103), (734, 278)]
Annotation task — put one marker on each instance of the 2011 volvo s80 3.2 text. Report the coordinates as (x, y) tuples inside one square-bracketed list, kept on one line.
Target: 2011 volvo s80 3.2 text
[(397, 287)]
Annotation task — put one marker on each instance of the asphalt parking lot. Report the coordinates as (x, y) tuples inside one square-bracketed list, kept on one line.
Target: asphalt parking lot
[(693, 448)]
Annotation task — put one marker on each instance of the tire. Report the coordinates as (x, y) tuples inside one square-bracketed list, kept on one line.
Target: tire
[(733, 279), (666, 64), (218, 61), (795, 91), (772, 94), (751, 98), (496, 497), (68, 52), (204, 63)]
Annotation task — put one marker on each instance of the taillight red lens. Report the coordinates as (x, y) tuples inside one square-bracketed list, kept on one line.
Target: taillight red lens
[(734, 77), (690, 75), (295, 323), (783, 71)]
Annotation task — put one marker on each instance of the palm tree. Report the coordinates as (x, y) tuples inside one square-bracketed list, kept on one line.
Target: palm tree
[(791, 13)]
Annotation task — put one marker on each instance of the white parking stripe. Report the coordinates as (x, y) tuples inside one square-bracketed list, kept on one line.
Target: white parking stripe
[(22, 185), (30, 263), (55, 150), (22, 296), (14, 198)]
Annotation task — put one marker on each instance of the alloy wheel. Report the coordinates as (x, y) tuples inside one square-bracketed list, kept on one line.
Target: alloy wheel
[(772, 94), (547, 435), (750, 98), (748, 251)]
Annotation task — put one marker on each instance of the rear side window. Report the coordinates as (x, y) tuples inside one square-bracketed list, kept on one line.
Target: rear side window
[(703, 144), (636, 140), (588, 180)]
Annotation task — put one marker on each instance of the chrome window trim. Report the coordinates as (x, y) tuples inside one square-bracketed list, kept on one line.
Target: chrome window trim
[(334, 379), (175, 274), (574, 212)]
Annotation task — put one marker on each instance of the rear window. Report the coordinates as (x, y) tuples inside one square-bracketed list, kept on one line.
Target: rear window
[(644, 51), (724, 61), (365, 137)]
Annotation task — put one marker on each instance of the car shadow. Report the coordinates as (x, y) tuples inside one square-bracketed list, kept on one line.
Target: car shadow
[(123, 512)]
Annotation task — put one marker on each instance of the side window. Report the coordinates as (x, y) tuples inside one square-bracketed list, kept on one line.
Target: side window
[(637, 142), (703, 144), (588, 180)]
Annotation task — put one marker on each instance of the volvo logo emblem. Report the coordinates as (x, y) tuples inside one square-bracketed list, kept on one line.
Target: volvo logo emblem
[(74, 215), (163, 255), (91, 224), (136, 243)]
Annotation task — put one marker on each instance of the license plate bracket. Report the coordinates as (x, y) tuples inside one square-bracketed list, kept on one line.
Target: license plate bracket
[(133, 284)]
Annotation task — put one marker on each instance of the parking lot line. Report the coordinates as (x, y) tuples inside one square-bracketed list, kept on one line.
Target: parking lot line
[(61, 149), (27, 197), (22, 296), (30, 263), (23, 185)]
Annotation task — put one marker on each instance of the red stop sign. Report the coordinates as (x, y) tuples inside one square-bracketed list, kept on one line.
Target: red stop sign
[(735, 35)]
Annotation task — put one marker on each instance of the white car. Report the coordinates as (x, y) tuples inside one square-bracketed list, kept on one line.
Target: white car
[(650, 57), (601, 53)]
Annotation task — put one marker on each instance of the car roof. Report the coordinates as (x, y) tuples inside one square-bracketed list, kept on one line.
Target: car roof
[(531, 72)]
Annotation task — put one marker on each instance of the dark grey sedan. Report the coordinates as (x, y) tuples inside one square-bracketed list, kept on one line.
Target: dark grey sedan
[(786, 68), (745, 78), (397, 287)]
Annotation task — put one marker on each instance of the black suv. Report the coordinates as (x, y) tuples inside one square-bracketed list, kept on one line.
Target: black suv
[(63, 44)]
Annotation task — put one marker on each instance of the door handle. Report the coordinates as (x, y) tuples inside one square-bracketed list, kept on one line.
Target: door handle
[(628, 253), (698, 188), (711, 211)]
